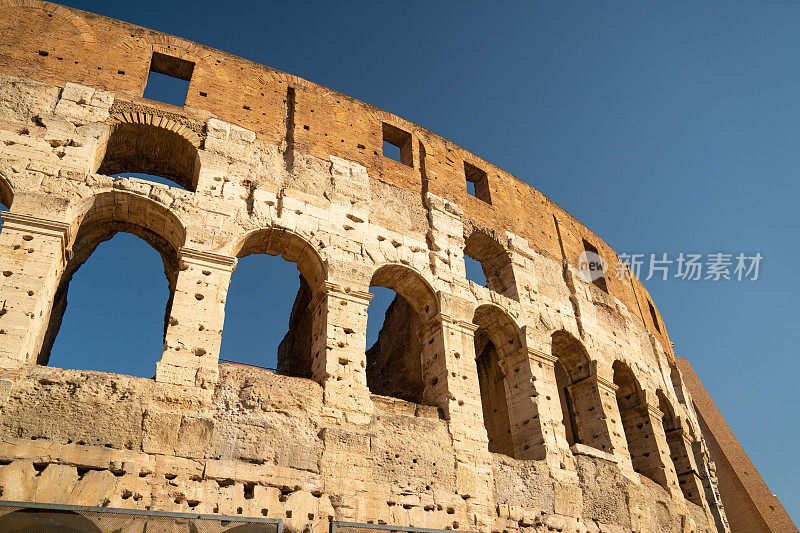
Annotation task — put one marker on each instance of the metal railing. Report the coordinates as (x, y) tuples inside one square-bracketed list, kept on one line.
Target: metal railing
[(47, 517), (348, 527)]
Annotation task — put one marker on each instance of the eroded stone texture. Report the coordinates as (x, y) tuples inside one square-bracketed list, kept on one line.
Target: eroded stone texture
[(479, 408)]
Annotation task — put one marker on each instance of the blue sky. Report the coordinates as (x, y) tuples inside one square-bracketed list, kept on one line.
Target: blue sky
[(663, 126)]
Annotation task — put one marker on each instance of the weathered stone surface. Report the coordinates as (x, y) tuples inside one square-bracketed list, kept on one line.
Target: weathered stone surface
[(574, 385)]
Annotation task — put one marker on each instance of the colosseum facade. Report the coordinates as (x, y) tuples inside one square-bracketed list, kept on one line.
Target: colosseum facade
[(539, 402)]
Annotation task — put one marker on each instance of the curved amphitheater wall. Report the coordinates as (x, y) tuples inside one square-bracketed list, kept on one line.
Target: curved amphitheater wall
[(538, 402)]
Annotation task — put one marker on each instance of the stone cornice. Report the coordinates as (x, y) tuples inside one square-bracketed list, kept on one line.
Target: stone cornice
[(39, 226), (200, 258), (542, 357)]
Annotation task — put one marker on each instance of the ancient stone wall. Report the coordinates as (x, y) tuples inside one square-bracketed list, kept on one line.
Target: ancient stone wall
[(540, 402)]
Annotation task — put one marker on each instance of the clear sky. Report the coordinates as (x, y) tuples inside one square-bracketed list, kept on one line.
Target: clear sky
[(663, 126)]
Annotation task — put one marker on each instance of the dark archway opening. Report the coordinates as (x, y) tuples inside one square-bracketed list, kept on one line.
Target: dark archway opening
[(495, 264), (496, 338), (145, 151), (633, 411), (396, 352), (491, 381), (578, 399)]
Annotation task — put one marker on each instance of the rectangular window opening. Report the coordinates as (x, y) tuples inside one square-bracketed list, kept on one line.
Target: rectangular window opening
[(397, 145), (654, 316), (169, 79), (598, 275), (477, 183)]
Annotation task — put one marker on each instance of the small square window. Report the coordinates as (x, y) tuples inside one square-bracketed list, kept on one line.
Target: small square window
[(169, 79), (397, 145), (477, 183)]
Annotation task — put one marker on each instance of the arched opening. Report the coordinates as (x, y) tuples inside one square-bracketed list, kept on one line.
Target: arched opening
[(113, 326), (572, 366), (677, 383), (497, 337), (639, 433), (396, 358), (151, 152), (5, 198), (680, 451), (264, 290), (6, 195), (494, 261), (46, 520)]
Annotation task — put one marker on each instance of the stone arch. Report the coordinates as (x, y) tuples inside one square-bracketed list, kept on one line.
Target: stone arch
[(498, 337), (495, 261), (578, 396), (677, 383), (295, 352), (152, 144), (36, 520), (637, 424), (395, 361), (6, 192), (409, 284), (99, 218)]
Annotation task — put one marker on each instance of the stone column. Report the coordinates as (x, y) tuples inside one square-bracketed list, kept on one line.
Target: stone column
[(451, 383), (339, 339), (534, 408), (597, 417), (680, 445), (708, 475), (194, 328), (648, 444), (33, 255)]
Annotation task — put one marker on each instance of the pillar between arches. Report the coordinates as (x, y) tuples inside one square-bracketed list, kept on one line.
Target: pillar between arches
[(33, 254), (195, 319)]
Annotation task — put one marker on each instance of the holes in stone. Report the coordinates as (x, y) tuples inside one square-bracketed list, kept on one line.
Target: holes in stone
[(199, 296), (121, 72), (170, 477), (7, 273), (264, 512), (203, 94), (44, 53), (225, 482), (288, 513), (249, 491), (27, 237), (199, 352), (246, 107)]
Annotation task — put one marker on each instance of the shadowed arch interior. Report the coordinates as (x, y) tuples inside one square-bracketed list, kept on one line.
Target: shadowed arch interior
[(677, 383), (6, 194), (40, 520), (103, 216), (147, 149), (497, 337), (495, 262), (394, 362), (639, 432), (294, 352), (578, 401)]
